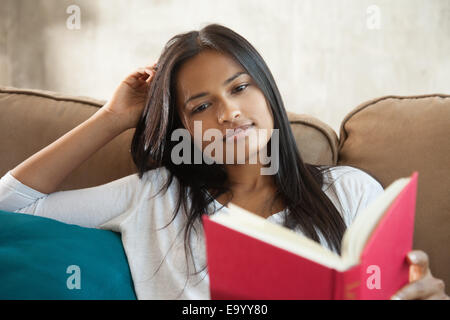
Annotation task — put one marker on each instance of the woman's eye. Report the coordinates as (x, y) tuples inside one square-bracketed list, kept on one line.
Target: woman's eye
[(206, 105), (200, 108), (240, 88)]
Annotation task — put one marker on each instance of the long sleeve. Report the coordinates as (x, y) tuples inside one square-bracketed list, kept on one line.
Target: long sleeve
[(88, 207)]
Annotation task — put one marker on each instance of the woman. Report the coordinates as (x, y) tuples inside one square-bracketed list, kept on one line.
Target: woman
[(216, 78)]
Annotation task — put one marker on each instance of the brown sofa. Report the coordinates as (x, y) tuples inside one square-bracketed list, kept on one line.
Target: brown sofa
[(388, 137)]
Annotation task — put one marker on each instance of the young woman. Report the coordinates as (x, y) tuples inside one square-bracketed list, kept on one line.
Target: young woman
[(215, 78)]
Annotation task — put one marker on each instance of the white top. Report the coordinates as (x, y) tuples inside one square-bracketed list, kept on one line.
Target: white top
[(123, 206)]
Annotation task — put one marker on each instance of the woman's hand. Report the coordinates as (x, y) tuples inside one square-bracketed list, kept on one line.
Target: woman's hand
[(128, 100), (422, 285)]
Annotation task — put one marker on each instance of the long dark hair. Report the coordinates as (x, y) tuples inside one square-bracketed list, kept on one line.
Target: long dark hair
[(299, 184)]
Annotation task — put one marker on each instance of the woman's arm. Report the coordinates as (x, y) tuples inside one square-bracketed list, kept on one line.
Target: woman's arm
[(88, 207), (46, 169)]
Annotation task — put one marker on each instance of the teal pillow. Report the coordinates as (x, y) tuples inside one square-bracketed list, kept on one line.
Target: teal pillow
[(42, 258)]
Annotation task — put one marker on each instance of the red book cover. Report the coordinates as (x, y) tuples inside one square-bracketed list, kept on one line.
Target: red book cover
[(242, 267)]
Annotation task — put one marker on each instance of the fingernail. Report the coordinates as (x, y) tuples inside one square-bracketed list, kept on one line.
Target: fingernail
[(413, 257)]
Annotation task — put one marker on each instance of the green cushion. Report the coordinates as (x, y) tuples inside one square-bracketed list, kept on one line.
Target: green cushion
[(42, 258)]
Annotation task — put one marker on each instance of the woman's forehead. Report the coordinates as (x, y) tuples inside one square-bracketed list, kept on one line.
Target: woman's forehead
[(207, 67)]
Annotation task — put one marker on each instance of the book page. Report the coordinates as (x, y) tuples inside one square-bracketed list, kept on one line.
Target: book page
[(358, 233), (255, 226)]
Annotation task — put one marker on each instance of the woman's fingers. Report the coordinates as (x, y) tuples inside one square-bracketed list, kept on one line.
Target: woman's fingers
[(142, 75), (418, 290), (439, 296), (422, 283), (419, 264)]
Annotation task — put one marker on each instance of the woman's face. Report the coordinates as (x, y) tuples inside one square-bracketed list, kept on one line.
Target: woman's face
[(215, 90)]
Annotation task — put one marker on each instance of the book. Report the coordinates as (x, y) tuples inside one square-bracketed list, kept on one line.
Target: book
[(251, 258)]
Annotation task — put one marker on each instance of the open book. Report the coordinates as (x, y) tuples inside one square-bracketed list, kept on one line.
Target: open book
[(250, 257)]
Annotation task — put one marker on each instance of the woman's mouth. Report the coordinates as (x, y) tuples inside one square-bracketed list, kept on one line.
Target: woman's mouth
[(238, 133)]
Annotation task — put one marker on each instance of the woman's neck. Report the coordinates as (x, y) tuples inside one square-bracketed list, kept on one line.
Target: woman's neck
[(251, 190), (248, 177)]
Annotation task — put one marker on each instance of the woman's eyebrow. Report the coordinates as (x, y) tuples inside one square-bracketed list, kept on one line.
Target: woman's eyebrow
[(202, 94)]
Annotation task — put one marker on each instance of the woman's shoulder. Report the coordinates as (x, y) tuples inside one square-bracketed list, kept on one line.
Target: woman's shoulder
[(150, 180), (355, 189), (152, 176), (351, 177), (156, 175)]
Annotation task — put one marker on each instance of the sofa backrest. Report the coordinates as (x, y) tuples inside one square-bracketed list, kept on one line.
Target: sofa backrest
[(392, 136)]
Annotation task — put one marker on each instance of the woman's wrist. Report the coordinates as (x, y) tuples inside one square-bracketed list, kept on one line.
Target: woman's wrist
[(115, 122)]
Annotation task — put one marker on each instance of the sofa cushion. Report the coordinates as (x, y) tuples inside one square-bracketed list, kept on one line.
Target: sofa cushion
[(41, 258), (316, 141), (392, 136)]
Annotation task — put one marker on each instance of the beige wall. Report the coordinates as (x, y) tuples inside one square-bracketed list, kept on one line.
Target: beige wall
[(327, 56)]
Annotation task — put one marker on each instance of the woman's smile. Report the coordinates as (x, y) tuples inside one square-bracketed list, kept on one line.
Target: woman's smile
[(238, 133)]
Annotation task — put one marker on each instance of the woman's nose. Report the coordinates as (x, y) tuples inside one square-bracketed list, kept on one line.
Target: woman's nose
[(228, 112)]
